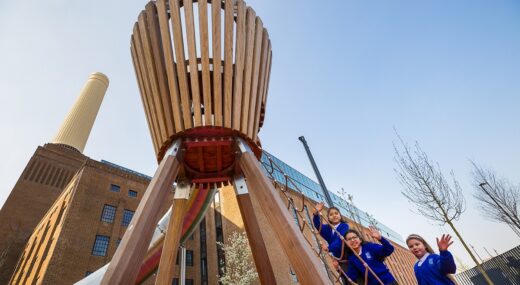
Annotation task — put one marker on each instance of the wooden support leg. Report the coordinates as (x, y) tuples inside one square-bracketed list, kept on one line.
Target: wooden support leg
[(173, 234), (256, 241), (305, 263), (125, 264)]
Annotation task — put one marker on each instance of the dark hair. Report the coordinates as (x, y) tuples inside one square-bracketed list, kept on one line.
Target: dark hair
[(336, 208), (347, 248)]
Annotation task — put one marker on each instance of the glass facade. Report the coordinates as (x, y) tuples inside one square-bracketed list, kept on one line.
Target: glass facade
[(312, 190)]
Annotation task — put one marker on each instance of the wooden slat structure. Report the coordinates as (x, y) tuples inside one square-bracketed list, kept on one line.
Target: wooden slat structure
[(215, 78), (203, 67)]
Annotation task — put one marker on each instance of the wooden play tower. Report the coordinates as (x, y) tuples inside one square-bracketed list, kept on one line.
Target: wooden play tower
[(203, 72)]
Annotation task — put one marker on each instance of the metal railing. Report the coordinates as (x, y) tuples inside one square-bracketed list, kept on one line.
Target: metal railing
[(503, 269)]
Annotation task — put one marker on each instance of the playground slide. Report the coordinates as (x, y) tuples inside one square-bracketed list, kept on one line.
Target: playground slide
[(199, 202)]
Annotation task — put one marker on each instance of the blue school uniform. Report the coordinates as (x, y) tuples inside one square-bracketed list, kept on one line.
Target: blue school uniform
[(373, 255), (434, 269), (332, 238)]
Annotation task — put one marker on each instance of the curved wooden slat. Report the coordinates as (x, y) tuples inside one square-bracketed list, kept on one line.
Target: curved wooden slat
[(217, 61), (261, 85), (204, 50), (266, 85), (228, 63), (147, 58), (170, 64), (139, 77), (194, 69), (157, 59), (181, 66), (255, 74), (264, 100), (227, 86), (148, 93), (248, 68), (239, 63)]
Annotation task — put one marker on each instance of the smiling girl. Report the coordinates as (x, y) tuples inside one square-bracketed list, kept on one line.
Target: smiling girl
[(327, 232), (431, 268), (372, 254)]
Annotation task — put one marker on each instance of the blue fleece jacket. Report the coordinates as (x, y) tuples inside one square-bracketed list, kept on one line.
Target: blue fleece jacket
[(434, 269), (331, 237), (373, 255)]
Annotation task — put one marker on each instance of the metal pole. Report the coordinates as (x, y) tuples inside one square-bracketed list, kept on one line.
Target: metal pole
[(317, 172), (182, 278), (490, 256), (514, 221)]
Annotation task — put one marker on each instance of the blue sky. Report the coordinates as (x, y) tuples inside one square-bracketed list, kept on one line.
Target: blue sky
[(344, 74)]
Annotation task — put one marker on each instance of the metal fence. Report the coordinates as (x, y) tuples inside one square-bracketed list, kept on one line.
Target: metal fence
[(503, 269)]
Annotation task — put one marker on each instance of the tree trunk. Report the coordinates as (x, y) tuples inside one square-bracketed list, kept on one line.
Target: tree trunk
[(479, 267)]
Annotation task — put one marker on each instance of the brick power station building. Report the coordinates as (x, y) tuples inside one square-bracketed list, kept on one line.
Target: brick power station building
[(67, 213)]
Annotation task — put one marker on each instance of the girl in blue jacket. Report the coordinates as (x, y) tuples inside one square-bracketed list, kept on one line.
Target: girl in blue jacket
[(431, 268), (333, 239), (372, 254)]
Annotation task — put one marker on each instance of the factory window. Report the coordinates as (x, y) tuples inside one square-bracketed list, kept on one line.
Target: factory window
[(100, 246), (132, 193), (127, 217), (115, 188), (108, 214), (186, 281), (203, 253), (189, 257)]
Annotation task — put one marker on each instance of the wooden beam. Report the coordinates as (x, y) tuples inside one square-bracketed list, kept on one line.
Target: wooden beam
[(173, 235), (254, 235), (305, 263), (127, 260)]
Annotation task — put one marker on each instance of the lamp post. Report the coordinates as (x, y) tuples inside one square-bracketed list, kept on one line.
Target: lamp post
[(317, 172)]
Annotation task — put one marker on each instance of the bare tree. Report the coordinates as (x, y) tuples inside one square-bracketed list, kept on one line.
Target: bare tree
[(499, 199), (353, 212), (427, 188)]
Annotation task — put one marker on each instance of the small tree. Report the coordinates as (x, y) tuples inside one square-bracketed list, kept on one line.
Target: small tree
[(239, 268), (426, 187), (499, 200)]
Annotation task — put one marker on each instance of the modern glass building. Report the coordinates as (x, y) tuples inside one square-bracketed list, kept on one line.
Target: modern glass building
[(312, 190)]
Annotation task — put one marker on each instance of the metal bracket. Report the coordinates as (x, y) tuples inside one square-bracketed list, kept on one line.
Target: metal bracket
[(173, 150), (239, 183), (243, 147), (183, 190)]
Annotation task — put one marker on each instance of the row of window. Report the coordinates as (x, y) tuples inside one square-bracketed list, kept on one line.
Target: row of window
[(101, 243), (109, 213), (117, 188)]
